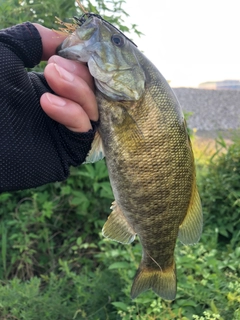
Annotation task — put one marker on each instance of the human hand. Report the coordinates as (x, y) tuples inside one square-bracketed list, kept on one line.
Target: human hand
[(75, 104)]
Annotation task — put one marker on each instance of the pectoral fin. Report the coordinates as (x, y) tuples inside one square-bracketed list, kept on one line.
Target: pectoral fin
[(96, 153), (191, 228), (117, 227)]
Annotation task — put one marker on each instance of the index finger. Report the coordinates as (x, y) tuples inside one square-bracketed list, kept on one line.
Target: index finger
[(75, 67)]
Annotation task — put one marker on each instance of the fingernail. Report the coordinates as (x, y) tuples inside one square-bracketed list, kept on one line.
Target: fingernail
[(64, 63), (64, 73), (57, 101)]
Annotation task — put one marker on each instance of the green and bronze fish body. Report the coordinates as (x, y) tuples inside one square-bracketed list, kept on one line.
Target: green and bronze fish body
[(148, 154)]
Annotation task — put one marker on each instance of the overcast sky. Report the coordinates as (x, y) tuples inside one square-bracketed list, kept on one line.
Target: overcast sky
[(189, 41)]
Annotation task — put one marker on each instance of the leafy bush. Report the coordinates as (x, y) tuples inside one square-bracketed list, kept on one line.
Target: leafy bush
[(53, 222), (220, 191)]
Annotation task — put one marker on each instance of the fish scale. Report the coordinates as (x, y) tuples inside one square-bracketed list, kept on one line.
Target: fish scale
[(147, 149)]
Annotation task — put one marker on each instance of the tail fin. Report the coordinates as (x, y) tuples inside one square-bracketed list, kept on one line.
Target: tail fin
[(162, 282)]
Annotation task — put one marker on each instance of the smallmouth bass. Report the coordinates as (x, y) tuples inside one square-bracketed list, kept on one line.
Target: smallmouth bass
[(143, 135)]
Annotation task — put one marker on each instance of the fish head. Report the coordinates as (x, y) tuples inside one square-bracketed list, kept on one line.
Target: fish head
[(110, 56)]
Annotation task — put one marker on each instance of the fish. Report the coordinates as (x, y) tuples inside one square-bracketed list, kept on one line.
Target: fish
[(143, 136)]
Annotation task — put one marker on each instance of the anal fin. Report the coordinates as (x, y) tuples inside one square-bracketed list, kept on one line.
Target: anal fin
[(191, 228), (117, 227)]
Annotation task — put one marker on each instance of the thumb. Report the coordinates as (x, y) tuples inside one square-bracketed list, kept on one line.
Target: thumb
[(50, 40)]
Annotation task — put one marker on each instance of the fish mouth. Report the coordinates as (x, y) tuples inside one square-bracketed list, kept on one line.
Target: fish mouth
[(72, 52), (82, 36), (59, 49), (74, 47)]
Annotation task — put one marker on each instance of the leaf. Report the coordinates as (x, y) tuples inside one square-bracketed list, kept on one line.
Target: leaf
[(79, 199), (119, 265), (106, 190), (79, 241), (4, 197), (213, 307), (120, 305), (66, 190), (187, 303)]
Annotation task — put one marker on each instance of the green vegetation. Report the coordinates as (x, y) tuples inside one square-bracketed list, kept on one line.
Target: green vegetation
[(54, 263)]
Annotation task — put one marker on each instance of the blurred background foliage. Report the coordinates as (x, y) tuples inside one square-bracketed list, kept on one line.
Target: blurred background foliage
[(54, 263), (45, 11)]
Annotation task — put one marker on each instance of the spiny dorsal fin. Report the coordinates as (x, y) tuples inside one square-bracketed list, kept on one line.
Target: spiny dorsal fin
[(191, 228), (96, 153), (117, 227)]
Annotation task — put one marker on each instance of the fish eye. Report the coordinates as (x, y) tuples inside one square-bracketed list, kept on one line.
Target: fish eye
[(118, 40)]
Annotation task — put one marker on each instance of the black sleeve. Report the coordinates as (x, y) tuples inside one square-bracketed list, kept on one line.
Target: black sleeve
[(34, 149)]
